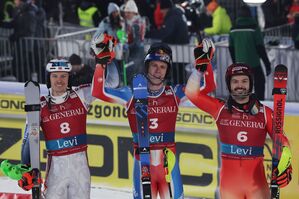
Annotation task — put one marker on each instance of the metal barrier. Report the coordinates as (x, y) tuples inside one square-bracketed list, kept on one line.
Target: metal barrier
[(279, 31)]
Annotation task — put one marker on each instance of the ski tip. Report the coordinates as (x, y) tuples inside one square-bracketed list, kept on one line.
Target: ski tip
[(281, 68), (31, 81)]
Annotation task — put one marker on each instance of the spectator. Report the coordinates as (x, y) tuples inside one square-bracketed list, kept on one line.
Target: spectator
[(81, 73), (24, 24), (135, 30), (295, 34), (8, 8), (88, 13), (114, 25), (246, 45), (174, 29), (221, 23), (158, 16), (38, 60), (273, 16), (40, 13), (293, 10)]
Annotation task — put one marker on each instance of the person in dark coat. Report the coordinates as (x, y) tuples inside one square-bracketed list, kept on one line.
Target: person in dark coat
[(174, 29), (246, 45), (81, 73)]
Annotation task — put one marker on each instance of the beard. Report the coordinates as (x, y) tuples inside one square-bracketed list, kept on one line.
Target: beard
[(240, 93)]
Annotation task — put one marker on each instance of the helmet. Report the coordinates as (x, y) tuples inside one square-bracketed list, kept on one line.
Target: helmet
[(238, 69), (159, 52), (58, 65)]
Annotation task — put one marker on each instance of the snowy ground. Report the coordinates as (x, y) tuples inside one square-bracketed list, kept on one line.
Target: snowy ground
[(10, 186)]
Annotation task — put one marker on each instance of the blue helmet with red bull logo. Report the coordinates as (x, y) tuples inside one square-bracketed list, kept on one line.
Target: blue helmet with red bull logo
[(159, 52)]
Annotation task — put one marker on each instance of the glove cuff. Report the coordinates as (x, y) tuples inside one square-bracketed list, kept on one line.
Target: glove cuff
[(202, 61)]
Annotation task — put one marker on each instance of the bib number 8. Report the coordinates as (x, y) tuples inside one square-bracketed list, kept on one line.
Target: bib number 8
[(65, 128)]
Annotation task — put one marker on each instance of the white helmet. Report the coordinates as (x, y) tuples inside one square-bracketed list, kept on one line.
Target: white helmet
[(59, 65)]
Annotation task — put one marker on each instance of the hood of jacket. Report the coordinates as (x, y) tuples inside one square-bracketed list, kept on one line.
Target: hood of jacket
[(245, 22)]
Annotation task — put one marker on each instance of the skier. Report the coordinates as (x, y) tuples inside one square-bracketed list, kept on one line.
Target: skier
[(243, 123), (163, 102), (63, 121)]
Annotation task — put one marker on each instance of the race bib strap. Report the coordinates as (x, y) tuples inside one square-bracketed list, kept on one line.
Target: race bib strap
[(66, 143), (156, 138), (231, 149)]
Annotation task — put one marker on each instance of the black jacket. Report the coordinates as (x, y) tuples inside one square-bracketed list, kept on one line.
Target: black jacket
[(174, 29)]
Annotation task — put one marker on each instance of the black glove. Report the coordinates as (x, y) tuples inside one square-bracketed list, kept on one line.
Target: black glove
[(203, 54), (29, 178), (102, 47)]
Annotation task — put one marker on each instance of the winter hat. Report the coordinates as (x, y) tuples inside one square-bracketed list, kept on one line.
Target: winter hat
[(75, 59), (212, 6), (164, 4), (131, 7), (112, 7)]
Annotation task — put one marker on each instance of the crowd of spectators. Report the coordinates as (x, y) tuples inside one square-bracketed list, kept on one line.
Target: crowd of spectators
[(170, 21)]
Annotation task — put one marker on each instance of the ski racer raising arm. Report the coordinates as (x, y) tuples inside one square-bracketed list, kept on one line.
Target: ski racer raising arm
[(63, 121), (163, 102), (243, 123)]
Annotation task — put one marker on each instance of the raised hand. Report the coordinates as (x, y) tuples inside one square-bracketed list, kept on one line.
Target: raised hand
[(203, 54), (102, 47)]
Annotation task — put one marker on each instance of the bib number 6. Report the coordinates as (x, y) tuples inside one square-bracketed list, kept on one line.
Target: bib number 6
[(242, 136)]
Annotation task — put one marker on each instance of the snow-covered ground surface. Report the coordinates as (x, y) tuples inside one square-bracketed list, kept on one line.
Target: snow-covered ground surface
[(10, 186)]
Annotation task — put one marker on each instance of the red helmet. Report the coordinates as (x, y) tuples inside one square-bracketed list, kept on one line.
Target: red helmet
[(238, 69)]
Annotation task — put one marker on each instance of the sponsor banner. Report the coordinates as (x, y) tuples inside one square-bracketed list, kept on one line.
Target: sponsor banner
[(111, 156), (100, 112)]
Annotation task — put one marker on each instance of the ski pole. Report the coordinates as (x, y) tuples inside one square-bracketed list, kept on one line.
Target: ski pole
[(125, 73), (122, 37), (169, 162)]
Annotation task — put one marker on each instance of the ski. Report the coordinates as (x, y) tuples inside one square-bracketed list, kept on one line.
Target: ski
[(32, 108), (279, 97), (141, 102)]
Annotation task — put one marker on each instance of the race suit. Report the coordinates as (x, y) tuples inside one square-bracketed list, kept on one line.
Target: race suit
[(162, 112), (242, 138), (63, 122)]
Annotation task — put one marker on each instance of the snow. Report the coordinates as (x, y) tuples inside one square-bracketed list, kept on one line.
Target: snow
[(11, 186)]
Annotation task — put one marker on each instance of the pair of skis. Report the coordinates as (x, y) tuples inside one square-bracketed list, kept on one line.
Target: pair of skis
[(32, 108), (141, 103), (140, 91), (279, 98)]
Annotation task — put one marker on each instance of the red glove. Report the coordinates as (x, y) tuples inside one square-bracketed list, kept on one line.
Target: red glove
[(28, 179), (203, 54), (102, 47), (284, 178)]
